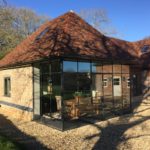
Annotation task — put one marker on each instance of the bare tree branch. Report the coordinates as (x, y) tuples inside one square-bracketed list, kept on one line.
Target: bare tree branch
[(98, 19)]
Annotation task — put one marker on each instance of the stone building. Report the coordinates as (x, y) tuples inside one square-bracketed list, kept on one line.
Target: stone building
[(67, 70)]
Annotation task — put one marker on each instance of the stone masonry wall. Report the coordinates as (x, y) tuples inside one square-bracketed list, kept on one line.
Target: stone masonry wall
[(19, 104)]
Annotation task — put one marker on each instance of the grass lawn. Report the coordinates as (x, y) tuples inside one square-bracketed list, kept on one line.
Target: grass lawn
[(7, 144)]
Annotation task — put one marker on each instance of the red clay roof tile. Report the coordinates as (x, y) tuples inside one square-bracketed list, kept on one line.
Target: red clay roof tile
[(69, 35)]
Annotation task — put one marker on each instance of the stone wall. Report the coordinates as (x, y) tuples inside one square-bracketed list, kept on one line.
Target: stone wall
[(20, 103)]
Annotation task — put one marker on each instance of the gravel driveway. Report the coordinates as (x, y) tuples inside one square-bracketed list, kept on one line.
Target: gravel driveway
[(125, 132)]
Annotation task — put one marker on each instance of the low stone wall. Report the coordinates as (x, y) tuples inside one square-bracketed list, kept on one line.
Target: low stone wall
[(20, 103), (16, 113)]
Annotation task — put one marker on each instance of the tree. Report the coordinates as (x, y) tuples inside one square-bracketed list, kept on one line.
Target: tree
[(15, 25), (3, 3), (26, 21), (98, 19)]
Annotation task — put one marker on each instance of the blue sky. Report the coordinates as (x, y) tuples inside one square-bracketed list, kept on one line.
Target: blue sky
[(131, 18)]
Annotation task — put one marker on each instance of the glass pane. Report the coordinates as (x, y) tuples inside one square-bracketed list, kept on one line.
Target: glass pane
[(7, 87), (55, 66), (84, 82), (116, 81), (69, 102), (117, 68), (96, 67), (107, 86), (45, 79), (108, 95), (51, 95), (45, 68), (117, 89), (70, 81), (107, 68), (125, 68), (84, 67), (69, 66), (97, 90), (56, 82), (126, 92), (68, 95)]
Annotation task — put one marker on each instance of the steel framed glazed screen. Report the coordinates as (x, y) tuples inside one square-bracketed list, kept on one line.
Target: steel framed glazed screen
[(51, 99), (74, 90), (95, 90)]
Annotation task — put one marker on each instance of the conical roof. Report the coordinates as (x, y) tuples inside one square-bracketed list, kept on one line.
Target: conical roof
[(68, 35)]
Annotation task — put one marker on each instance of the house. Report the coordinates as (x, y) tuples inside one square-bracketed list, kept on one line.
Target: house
[(68, 70)]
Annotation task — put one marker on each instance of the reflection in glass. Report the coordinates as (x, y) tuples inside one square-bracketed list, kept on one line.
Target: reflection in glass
[(107, 89), (45, 68), (51, 93), (126, 91), (84, 67), (70, 81), (55, 66), (107, 68), (86, 93), (116, 68), (97, 91), (84, 82), (125, 68), (96, 67), (69, 66)]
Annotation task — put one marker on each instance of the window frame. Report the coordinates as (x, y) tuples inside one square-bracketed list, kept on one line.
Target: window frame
[(7, 87), (118, 82), (105, 82), (128, 82)]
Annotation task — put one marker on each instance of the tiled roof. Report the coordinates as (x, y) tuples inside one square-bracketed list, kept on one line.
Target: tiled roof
[(144, 57), (68, 35)]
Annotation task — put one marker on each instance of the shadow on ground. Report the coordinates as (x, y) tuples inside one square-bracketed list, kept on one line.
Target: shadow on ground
[(112, 135), (9, 130)]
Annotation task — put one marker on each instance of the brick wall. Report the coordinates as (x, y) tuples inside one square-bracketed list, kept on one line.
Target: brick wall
[(116, 69)]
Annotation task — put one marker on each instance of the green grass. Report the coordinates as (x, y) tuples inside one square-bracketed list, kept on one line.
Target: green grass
[(7, 144)]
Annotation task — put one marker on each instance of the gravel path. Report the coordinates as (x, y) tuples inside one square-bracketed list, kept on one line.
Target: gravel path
[(120, 133)]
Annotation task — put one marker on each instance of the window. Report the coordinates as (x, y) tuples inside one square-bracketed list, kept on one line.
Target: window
[(105, 82), (7, 86), (84, 67), (116, 81), (55, 66), (96, 67), (128, 82), (116, 68), (70, 66), (145, 48)]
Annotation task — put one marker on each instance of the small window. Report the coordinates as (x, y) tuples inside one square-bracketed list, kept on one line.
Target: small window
[(128, 82), (145, 48), (116, 81), (7, 86), (105, 82)]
